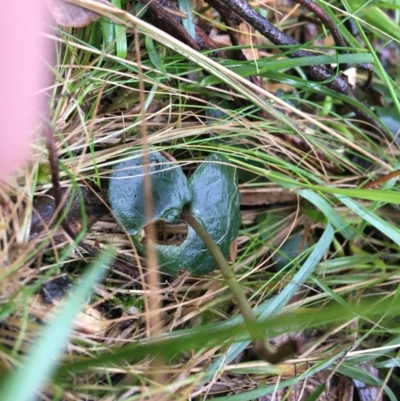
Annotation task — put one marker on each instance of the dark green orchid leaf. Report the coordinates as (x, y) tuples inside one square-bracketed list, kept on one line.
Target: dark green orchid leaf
[(170, 191), (213, 197), (216, 205)]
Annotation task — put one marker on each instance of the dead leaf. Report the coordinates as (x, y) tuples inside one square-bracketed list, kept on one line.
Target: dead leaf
[(374, 97), (70, 15), (245, 35)]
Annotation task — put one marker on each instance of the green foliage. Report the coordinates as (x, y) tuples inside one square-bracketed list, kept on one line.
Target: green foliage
[(373, 14), (39, 366), (212, 195), (188, 21), (126, 191)]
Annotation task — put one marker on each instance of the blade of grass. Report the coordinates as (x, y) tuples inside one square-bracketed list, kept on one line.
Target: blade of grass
[(375, 221), (377, 17), (246, 69), (261, 347), (240, 84), (273, 306), (264, 390), (120, 35), (107, 27), (154, 56), (198, 338), (365, 377), (188, 22), (37, 369)]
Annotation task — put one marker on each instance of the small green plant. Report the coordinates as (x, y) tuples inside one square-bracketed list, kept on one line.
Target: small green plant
[(212, 197)]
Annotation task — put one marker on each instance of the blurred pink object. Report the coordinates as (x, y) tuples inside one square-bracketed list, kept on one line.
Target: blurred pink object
[(22, 73)]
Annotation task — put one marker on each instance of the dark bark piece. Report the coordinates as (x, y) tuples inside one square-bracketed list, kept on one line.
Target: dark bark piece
[(44, 208), (55, 177), (58, 191), (335, 32), (55, 289), (206, 43), (160, 17), (328, 22), (351, 27), (232, 20), (163, 15), (227, 15)]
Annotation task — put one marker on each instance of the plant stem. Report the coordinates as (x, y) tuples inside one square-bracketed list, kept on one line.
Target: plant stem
[(285, 350)]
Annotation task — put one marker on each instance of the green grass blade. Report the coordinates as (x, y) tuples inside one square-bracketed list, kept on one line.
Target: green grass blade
[(246, 69), (366, 377), (36, 370), (367, 194), (272, 307), (154, 56), (121, 46), (372, 218), (375, 17), (314, 396), (188, 22), (264, 390), (107, 27)]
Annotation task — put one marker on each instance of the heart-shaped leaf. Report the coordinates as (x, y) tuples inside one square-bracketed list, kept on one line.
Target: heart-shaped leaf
[(214, 201), (215, 205), (170, 191)]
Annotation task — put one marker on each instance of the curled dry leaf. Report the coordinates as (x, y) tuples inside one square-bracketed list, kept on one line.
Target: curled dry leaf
[(70, 15)]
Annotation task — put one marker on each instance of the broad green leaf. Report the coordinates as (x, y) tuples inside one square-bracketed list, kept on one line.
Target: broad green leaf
[(212, 193), (215, 205), (126, 194)]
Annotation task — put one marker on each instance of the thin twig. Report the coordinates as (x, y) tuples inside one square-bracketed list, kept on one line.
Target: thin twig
[(57, 193), (153, 306), (329, 23)]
